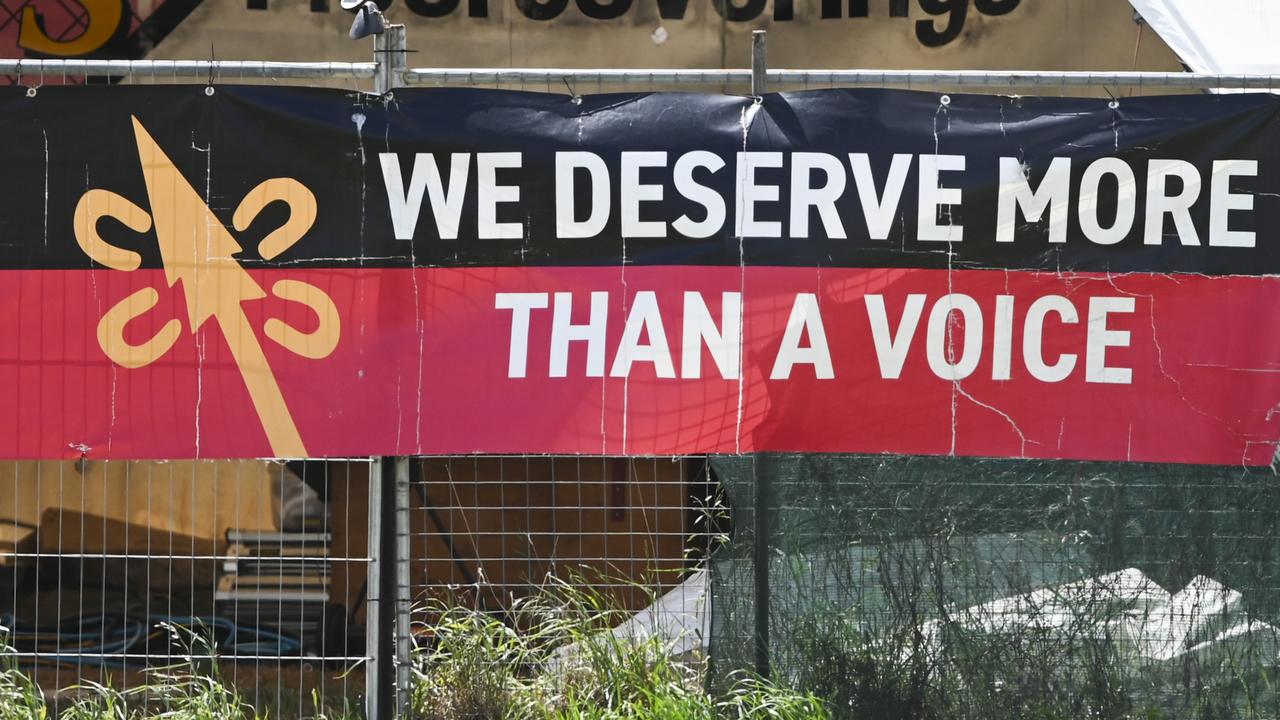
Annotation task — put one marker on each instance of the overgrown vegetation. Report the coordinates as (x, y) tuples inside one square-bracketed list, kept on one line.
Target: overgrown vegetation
[(192, 690), (951, 673), (20, 699), (554, 658), (557, 656), (918, 588)]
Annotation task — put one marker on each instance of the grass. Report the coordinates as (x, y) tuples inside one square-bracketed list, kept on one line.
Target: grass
[(172, 694), (20, 699), (554, 659), (193, 690), (553, 656)]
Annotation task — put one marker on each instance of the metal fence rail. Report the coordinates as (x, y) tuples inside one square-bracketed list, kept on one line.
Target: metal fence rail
[(837, 78), (188, 69), (30, 71)]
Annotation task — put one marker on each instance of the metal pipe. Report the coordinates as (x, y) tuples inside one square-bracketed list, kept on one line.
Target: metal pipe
[(762, 526), (759, 63), (403, 577), (847, 78), (203, 69), (391, 59), (556, 77), (255, 69), (373, 595), (388, 592), (1014, 78)]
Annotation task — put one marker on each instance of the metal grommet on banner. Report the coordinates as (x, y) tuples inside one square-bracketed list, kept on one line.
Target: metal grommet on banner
[(945, 99), (574, 97), (31, 92), (208, 90), (1113, 104)]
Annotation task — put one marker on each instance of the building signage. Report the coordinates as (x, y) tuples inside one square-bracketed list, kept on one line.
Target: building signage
[(944, 19)]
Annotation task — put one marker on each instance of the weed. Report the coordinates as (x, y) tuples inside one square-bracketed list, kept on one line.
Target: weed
[(563, 663)]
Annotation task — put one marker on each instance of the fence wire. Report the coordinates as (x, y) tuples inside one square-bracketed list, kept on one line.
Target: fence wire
[(486, 531), (967, 588), (111, 571)]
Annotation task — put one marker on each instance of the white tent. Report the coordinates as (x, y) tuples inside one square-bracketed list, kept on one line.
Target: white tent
[(1218, 36)]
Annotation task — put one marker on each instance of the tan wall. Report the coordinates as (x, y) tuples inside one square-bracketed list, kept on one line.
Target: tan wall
[(197, 499), (1038, 34), (158, 513)]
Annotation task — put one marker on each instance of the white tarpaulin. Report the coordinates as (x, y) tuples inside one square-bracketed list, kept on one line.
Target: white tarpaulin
[(679, 620), (1218, 36)]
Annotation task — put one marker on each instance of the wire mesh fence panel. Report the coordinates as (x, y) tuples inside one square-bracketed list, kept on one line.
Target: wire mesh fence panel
[(944, 587), (150, 578), (519, 567), (490, 530)]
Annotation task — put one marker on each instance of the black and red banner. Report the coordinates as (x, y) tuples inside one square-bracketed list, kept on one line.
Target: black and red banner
[(255, 272)]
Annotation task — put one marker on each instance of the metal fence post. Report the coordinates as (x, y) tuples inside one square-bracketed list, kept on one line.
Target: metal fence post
[(402, 636), (388, 626), (386, 688), (373, 679), (390, 58), (762, 526), (759, 62), (763, 483)]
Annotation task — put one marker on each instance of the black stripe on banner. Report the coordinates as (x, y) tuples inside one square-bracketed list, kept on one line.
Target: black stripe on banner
[(843, 178)]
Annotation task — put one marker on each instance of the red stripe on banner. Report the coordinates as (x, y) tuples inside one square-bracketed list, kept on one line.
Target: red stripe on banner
[(1134, 367)]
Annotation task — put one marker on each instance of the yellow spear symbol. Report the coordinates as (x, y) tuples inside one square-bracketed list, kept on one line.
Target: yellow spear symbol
[(199, 253)]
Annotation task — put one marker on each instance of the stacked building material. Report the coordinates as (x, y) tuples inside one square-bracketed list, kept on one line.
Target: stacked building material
[(277, 580)]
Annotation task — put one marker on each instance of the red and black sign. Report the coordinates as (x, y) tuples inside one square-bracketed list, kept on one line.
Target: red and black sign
[(291, 272)]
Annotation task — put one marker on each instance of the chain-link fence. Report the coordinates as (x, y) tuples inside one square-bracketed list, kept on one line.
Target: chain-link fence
[(945, 587)]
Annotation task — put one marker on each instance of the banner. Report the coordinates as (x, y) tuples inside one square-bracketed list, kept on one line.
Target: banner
[(258, 271)]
